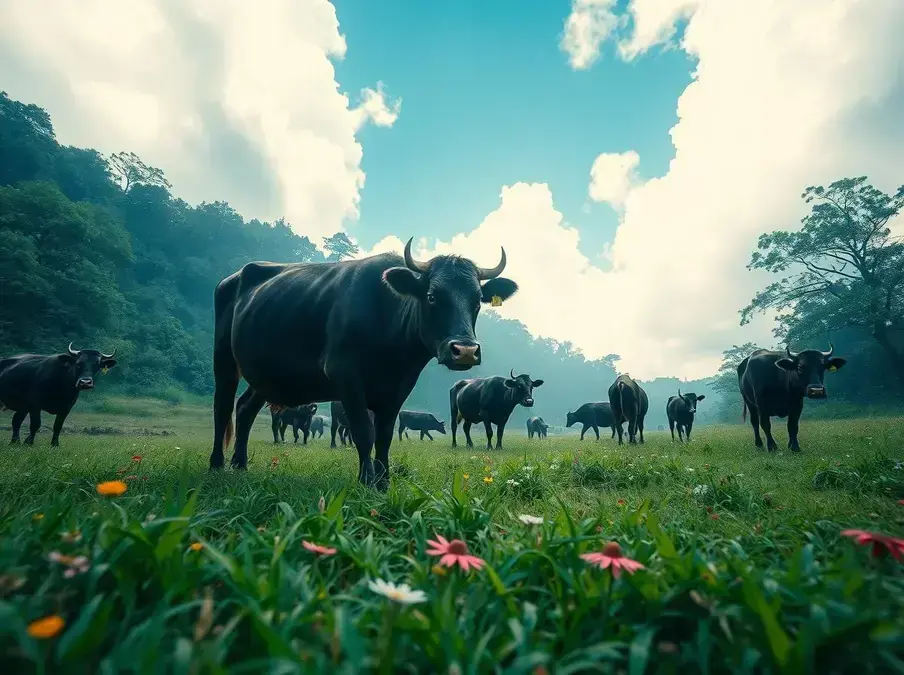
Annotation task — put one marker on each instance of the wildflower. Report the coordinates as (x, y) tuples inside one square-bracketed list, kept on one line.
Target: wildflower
[(689, 469), (261, 529), (487, 479), (38, 516), (373, 513), (178, 448), (701, 490), (150, 517), (321, 504), (621, 502), (137, 458), (401, 593), (46, 627), (111, 488), (882, 543), (512, 482), (599, 528), (285, 454), (439, 570), (714, 516), (530, 520), (466, 476), (611, 556), (73, 537), (528, 469), (453, 553), (132, 477), (553, 466), (74, 564), (196, 546), (319, 550)]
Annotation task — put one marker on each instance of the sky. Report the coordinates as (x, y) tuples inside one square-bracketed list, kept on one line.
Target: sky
[(626, 153)]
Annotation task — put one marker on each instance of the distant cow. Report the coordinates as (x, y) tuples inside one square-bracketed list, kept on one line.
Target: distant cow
[(681, 410), (592, 416), (536, 425), (299, 417), (490, 400), (629, 404), (30, 383), (774, 384), (339, 424), (318, 424), (357, 331), (420, 421)]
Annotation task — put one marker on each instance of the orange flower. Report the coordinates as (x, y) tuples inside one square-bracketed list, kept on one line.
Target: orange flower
[(319, 550), (111, 488), (46, 627), (196, 546), (453, 553), (611, 557), (621, 502)]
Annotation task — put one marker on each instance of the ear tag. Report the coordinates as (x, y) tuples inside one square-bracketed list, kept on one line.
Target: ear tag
[(104, 370), (496, 301), (832, 369)]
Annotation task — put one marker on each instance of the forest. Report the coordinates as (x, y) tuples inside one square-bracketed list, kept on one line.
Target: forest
[(99, 251)]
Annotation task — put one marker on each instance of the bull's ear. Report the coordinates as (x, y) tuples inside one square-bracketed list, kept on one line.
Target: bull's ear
[(786, 364), (510, 383), (403, 281), (700, 398), (835, 363), (68, 359), (108, 363), (499, 287), (537, 383)]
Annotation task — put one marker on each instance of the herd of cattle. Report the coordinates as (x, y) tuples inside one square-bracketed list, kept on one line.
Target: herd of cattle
[(358, 333)]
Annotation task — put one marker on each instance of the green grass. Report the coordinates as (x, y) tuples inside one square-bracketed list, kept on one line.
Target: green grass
[(745, 567)]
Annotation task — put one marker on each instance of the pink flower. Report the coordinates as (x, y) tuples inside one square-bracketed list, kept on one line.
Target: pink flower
[(611, 556), (882, 543), (453, 553), (319, 550)]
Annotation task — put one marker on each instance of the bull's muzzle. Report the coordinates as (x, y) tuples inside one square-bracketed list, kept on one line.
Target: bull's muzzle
[(464, 354), (85, 383), (816, 391), (528, 402)]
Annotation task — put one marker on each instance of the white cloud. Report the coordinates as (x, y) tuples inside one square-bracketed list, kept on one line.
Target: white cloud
[(612, 177), (654, 22), (232, 99), (586, 28)]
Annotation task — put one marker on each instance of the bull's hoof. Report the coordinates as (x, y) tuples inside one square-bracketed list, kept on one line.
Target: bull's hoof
[(794, 448), (14, 441), (55, 443), (758, 443), (29, 441)]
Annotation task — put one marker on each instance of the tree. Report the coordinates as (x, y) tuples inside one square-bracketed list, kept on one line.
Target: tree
[(131, 170), (340, 246), (843, 268)]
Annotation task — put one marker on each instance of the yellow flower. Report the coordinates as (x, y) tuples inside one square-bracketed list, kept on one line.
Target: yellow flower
[(37, 516), (438, 569), (111, 488), (48, 627), (196, 546), (466, 476), (487, 479)]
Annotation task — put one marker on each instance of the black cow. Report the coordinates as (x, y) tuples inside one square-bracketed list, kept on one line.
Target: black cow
[(489, 400), (680, 410), (774, 384), (339, 424), (420, 421), (536, 425), (629, 404), (356, 331), (318, 425), (299, 417), (592, 416), (30, 383)]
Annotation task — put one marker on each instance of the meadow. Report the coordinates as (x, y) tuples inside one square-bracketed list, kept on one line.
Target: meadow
[(744, 567)]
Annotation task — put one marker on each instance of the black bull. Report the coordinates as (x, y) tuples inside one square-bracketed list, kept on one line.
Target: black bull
[(592, 416), (629, 404), (536, 425), (489, 400), (339, 423), (31, 383), (419, 421), (681, 410), (299, 418), (774, 384), (357, 331)]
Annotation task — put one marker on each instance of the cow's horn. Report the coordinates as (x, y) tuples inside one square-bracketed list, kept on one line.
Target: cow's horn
[(512, 372), (485, 274), (72, 351), (110, 355), (411, 263), (679, 392), (791, 355), (831, 351)]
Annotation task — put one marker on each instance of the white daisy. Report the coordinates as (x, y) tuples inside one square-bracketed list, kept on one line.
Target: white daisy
[(530, 520), (401, 593)]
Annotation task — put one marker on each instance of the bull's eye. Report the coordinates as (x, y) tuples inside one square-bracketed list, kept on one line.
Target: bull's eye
[(431, 298)]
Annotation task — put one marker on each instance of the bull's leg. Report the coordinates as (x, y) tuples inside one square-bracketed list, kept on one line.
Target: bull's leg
[(640, 428), (295, 430), (500, 429), (489, 428), (793, 426), (680, 431), (407, 436), (282, 431), (334, 427), (305, 432), (766, 425), (401, 429), (274, 426), (672, 429), (755, 423), (596, 430), (632, 431), (383, 428), (18, 417), (57, 428), (621, 433), (34, 420), (361, 433), (466, 427), (247, 408), (687, 430), (584, 428), (226, 379), (428, 435)]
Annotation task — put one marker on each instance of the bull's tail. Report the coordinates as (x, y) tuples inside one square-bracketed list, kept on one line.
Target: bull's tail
[(744, 411), (227, 435)]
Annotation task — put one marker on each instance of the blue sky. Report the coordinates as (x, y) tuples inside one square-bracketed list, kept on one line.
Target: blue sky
[(488, 99)]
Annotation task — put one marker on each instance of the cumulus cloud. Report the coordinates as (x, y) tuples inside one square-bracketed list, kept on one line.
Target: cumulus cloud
[(232, 99), (612, 177), (586, 28), (654, 23)]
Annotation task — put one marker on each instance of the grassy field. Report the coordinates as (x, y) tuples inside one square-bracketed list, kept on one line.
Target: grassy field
[(745, 569)]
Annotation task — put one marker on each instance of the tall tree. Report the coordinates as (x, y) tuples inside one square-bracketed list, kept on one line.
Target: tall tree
[(130, 170), (843, 268), (340, 246)]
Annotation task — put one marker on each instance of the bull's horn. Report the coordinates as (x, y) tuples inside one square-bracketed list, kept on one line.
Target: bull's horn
[(791, 355), (512, 372), (72, 351), (485, 274), (110, 355), (831, 351), (411, 263), (679, 392)]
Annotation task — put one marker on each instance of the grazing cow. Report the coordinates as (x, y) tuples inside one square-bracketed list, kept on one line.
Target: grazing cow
[(592, 416), (490, 400), (339, 424), (318, 425), (774, 384), (629, 404), (31, 383), (299, 417), (536, 425), (680, 410), (420, 421), (356, 331)]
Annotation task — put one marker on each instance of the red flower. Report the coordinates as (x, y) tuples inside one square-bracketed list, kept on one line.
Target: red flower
[(621, 502), (882, 543), (137, 458), (316, 548), (611, 556), (453, 553)]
